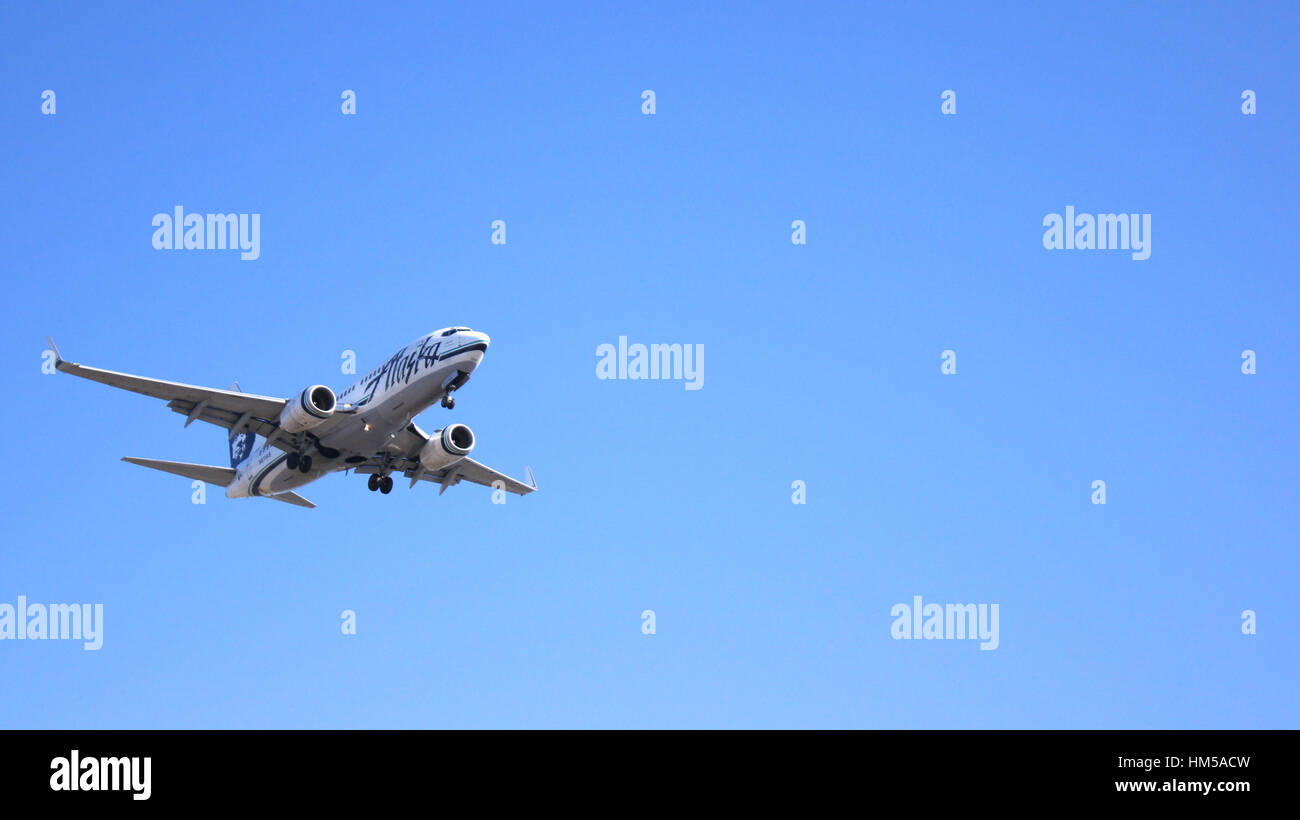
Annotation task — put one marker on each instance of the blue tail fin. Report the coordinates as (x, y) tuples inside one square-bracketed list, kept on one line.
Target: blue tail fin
[(241, 445)]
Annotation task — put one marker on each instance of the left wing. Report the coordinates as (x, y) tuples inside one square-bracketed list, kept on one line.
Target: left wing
[(406, 462), (467, 469)]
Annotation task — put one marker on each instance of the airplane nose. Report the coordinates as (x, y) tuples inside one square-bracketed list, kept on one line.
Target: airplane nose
[(478, 343)]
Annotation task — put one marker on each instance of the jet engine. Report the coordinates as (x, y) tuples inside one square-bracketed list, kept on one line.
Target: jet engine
[(312, 407), (450, 445)]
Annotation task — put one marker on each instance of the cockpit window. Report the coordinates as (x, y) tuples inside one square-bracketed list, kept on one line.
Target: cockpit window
[(452, 330)]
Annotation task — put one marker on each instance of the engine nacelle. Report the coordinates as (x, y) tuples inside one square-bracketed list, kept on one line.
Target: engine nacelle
[(310, 409), (451, 445)]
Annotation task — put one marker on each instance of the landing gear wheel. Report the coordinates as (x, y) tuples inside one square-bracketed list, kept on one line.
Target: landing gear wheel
[(373, 483), (304, 464), (292, 461), (386, 484), (448, 402)]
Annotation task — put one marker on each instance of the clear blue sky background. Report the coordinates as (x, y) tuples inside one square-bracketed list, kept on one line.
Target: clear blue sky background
[(822, 362)]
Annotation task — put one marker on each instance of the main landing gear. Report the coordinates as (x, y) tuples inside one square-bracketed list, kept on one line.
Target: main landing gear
[(448, 402), (300, 460), (383, 483)]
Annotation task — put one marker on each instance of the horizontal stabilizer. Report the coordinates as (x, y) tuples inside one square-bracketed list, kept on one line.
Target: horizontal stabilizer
[(221, 476), (292, 498)]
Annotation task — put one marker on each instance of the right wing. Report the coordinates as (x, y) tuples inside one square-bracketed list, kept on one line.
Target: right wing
[(225, 408), (235, 411)]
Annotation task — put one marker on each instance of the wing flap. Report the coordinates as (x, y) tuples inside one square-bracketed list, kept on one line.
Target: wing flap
[(227, 418)]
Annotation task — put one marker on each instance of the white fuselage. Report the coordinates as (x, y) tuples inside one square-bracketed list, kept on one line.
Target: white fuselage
[(384, 401)]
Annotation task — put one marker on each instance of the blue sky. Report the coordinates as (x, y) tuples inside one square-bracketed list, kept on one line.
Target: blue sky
[(924, 234)]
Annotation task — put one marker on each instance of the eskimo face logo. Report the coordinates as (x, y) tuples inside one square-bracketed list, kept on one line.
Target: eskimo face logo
[(240, 447)]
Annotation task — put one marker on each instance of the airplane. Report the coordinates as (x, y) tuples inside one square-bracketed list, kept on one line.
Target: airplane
[(367, 428)]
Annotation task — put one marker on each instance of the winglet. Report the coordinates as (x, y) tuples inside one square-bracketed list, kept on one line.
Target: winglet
[(58, 357), (528, 471)]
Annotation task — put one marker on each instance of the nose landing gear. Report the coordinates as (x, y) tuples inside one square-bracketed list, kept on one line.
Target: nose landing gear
[(452, 386)]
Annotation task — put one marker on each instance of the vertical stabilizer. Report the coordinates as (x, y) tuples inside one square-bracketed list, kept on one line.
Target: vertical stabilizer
[(241, 444)]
